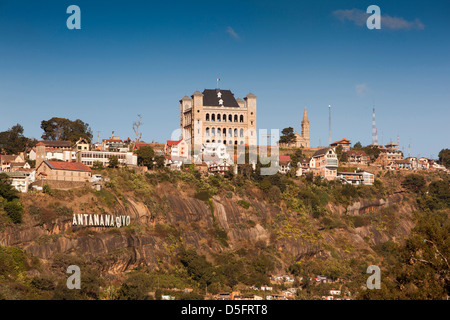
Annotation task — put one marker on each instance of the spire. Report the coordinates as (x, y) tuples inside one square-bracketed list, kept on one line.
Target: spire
[(305, 115)]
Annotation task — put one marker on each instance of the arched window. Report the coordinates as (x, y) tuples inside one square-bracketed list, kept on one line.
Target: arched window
[(241, 133), (235, 132), (207, 117), (213, 132), (224, 131), (230, 142), (235, 118), (230, 118), (224, 118), (219, 132), (241, 118), (230, 132), (213, 141), (207, 141), (207, 132), (218, 117), (219, 141), (213, 117), (235, 142)]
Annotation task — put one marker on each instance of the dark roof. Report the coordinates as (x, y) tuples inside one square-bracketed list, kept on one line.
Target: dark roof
[(210, 98), (321, 152), (72, 166), (56, 143)]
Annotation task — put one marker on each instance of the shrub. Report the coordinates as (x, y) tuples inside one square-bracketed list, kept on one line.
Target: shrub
[(244, 204), (414, 182), (14, 209)]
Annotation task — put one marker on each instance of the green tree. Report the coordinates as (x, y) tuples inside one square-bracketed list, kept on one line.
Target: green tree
[(113, 162), (357, 146), (14, 209), (287, 135), (65, 129), (135, 287), (7, 191), (146, 156), (13, 141), (444, 158), (414, 182)]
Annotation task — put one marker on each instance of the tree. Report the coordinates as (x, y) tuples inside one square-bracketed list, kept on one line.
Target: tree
[(14, 209), (65, 129), (288, 135), (296, 157), (372, 151), (136, 126), (113, 162), (414, 182), (444, 157), (7, 191), (13, 141), (357, 146), (146, 156), (135, 287)]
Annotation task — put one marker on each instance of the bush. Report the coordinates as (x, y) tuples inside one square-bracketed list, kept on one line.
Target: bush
[(14, 209), (244, 204), (414, 182)]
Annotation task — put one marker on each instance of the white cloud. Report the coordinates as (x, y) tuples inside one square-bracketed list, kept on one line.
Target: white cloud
[(232, 33), (359, 18), (361, 89)]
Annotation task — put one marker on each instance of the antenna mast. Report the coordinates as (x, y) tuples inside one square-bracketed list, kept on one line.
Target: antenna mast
[(374, 128), (329, 124)]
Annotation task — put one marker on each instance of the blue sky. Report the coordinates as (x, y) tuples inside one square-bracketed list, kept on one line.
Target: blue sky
[(142, 57)]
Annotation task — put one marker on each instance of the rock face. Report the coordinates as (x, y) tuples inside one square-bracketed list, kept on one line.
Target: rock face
[(187, 221)]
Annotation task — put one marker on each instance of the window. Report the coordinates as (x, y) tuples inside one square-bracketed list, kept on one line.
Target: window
[(235, 132), (241, 133), (207, 132), (207, 117), (230, 133), (235, 118), (213, 117), (241, 118), (224, 118), (218, 132), (230, 118), (213, 131), (218, 117)]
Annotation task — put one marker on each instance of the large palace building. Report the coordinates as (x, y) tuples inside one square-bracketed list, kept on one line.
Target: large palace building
[(215, 115)]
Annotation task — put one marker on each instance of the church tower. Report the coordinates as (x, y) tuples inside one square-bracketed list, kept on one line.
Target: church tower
[(305, 127)]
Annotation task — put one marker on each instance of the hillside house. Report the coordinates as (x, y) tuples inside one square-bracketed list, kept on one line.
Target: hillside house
[(324, 163), (63, 171), (345, 143)]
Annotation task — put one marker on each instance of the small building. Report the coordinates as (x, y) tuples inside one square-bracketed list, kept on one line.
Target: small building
[(357, 178), (21, 180), (345, 143), (358, 157), (324, 163), (90, 157), (177, 148), (63, 171), (284, 164)]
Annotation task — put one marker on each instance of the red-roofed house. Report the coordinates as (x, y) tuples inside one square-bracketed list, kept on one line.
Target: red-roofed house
[(63, 171), (177, 148), (284, 164), (345, 143), (358, 157)]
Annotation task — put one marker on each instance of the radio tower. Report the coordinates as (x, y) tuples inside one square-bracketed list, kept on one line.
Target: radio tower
[(329, 124), (374, 129)]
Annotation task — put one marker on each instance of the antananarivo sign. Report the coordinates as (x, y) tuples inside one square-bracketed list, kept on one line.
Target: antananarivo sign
[(100, 220)]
